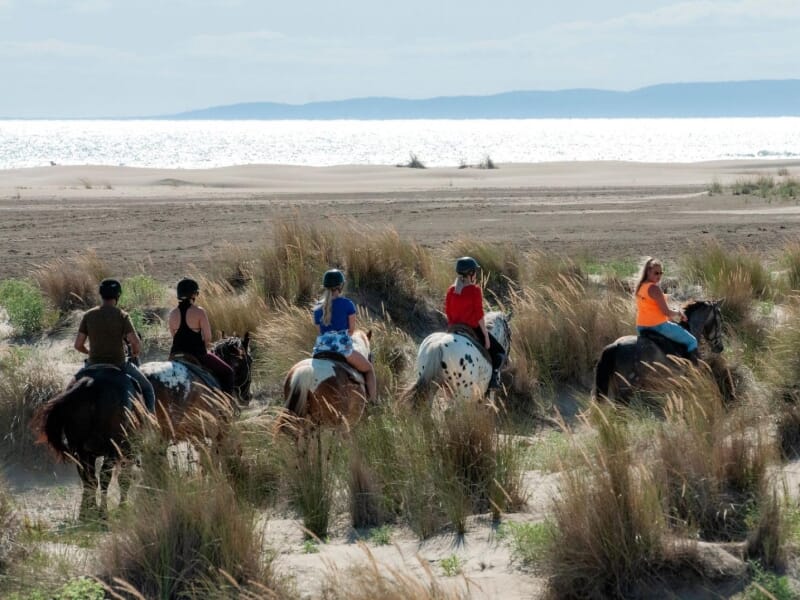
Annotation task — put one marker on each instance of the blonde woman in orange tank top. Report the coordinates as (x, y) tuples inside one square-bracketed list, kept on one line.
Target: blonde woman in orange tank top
[(653, 312)]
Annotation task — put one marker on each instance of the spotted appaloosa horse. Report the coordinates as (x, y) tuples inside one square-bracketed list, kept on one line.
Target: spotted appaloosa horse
[(189, 406), (328, 390), (454, 363), (625, 365)]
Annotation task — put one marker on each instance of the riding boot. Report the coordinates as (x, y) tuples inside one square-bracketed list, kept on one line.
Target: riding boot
[(693, 357), (494, 382)]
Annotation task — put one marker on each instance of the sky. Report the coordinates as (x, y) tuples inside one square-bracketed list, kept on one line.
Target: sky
[(109, 58)]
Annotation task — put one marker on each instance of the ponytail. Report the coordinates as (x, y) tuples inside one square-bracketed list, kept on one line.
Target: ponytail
[(327, 306)]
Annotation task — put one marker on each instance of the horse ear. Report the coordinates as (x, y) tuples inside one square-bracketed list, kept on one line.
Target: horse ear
[(246, 340), (369, 334), (719, 302)]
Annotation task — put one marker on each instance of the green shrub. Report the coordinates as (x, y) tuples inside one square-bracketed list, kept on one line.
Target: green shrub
[(141, 291), (529, 541), (24, 304), (768, 586)]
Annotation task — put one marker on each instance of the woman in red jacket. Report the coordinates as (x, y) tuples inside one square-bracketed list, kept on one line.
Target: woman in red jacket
[(463, 305)]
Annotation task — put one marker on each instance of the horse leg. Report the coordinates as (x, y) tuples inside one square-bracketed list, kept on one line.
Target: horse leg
[(106, 472), (86, 470), (124, 479)]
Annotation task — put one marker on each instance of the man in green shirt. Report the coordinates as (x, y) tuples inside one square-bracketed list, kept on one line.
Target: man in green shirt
[(107, 327)]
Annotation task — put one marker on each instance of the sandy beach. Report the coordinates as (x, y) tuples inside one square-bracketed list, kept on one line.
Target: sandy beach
[(165, 220)]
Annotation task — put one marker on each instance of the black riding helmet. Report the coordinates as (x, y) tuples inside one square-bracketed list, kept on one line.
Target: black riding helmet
[(466, 265), (333, 279), (187, 288), (110, 289)]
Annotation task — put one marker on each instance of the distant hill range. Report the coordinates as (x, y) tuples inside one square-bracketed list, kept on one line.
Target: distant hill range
[(768, 98)]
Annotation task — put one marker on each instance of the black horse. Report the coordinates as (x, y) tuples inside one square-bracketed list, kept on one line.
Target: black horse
[(91, 419), (625, 364)]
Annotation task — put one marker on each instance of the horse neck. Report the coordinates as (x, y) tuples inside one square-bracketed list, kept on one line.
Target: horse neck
[(697, 319)]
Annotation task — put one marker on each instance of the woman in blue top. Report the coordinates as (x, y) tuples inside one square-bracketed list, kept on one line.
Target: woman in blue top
[(336, 317)]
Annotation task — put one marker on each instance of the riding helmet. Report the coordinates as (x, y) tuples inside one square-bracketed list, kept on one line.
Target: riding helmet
[(187, 288), (110, 289), (333, 279), (466, 265)]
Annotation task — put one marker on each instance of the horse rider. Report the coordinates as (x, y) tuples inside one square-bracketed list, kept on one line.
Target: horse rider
[(463, 305), (107, 327), (336, 317), (653, 313), (191, 334)]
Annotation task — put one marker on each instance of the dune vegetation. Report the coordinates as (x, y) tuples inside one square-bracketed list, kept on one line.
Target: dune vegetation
[(643, 489)]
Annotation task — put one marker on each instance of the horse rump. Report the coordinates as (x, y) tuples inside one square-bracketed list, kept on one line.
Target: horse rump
[(429, 365), (51, 419), (603, 372)]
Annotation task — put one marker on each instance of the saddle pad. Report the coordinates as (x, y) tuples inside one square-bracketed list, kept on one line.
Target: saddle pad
[(328, 355), (667, 345), (469, 332), (191, 363), (354, 374)]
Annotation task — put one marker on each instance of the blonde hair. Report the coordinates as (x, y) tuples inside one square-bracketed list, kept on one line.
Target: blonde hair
[(649, 263), (326, 302), (460, 283)]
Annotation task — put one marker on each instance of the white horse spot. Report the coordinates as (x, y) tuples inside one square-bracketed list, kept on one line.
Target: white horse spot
[(172, 375)]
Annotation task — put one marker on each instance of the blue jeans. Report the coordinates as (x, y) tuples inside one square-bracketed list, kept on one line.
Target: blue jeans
[(674, 332), (147, 388)]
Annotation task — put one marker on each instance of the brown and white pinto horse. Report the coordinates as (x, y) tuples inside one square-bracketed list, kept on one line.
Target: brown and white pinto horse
[(191, 405), (328, 390)]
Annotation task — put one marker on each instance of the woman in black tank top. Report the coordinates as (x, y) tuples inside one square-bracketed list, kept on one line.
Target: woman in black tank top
[(186, 340)]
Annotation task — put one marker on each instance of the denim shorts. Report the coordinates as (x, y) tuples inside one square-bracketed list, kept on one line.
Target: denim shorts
[(339, 342)]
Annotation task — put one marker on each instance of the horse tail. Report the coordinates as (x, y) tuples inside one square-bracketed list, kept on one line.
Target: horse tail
[(50, 421), (429, 365), (603, 371), (297, 386)]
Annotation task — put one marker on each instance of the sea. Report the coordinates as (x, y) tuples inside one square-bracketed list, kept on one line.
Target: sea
[(199, 144)]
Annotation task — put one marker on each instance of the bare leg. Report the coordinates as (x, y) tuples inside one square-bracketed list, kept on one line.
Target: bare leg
[(364, 366)]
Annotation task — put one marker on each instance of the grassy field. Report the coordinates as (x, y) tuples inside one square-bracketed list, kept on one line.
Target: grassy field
[(642, 489)]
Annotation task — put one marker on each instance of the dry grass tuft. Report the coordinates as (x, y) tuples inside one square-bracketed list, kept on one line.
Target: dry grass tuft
[(610, 529), (9, 529), (286, 337), (72, 283), (372, 580), (27, 380), (713, 462), (559, 331), (190, 538), (291, 268), (230, 311)]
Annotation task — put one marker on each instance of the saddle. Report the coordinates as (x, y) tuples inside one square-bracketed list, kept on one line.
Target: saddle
[(354, 374), (194, 366), (667, 345), (107, 370), (469, 332)]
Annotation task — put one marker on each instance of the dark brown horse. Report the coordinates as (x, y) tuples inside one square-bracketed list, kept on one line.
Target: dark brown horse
[(190, 404), (94, 416), (627, 364), (328, 390), (91, 419)]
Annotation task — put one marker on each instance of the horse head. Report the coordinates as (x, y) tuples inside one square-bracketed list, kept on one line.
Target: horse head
[(236, 352), (705, 318)]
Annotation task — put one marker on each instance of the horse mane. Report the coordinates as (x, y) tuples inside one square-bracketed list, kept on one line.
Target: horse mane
[(691, 305)]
